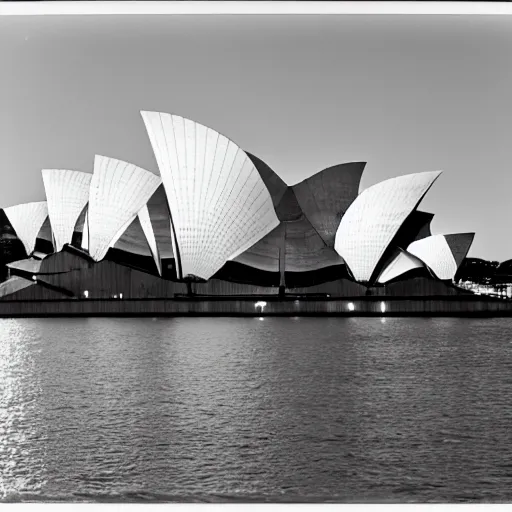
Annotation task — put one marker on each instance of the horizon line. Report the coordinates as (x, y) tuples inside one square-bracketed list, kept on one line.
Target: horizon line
[(264, 7)]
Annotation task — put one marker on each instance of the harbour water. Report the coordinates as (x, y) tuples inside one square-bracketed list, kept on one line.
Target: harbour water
[(248, 409)]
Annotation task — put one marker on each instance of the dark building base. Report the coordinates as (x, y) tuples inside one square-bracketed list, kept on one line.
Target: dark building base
[(471, 306)]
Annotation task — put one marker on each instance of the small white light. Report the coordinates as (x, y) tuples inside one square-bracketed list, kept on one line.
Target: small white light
[(351, 306), (115, 296), (383, 307), (120, 295), (34, 278), (261, 318), (260, 304), (86, 293)]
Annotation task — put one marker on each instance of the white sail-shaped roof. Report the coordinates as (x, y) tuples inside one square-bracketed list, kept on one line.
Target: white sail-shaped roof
[(218, 201), (373, 219), (67, 193), (118, 192), (27, 219), (401, 263), (147, 227), (436, 253)]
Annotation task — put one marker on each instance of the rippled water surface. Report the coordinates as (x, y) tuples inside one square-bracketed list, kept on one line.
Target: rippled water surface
[(304, 409)]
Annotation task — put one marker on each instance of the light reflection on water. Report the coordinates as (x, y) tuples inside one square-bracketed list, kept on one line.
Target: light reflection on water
[(309, 409), (22, 466)]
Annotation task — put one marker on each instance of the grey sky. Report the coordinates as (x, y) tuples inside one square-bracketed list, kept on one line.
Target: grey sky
[(406, 94)]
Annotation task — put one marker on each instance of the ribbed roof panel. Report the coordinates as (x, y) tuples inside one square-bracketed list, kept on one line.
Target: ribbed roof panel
[(373, 219), (67, 193), (435, 252), (219, 203), (27, 219), (118, 192)]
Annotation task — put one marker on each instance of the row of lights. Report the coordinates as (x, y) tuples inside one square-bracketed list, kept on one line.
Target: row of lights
[(86, 295), (261, 303), (351, 307)]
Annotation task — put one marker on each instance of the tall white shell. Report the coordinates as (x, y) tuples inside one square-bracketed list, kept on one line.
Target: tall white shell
[(67, 193), (401, 263), (218, 201), (27, 219), (373, 219), (147, 227), (118, 192), (436, 253)]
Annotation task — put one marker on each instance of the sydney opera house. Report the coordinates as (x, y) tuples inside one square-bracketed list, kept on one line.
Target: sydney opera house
[(218, 223)]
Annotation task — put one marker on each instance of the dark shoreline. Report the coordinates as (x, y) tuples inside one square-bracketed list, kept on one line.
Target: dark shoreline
[(369, 306)]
